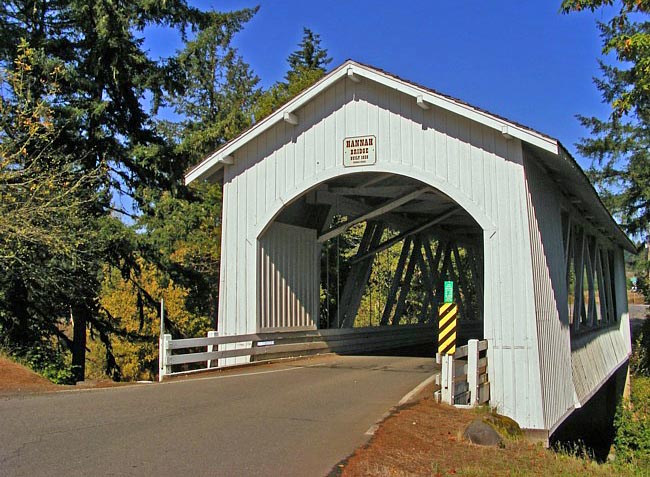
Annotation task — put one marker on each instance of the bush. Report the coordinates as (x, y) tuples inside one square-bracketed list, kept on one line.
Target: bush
[(46, 361), (632, 441), (640, 359)]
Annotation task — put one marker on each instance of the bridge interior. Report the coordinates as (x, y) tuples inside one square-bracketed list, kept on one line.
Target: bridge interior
[(384, 244)]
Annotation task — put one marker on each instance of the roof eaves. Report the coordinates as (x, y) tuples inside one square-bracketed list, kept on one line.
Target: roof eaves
[(619, 233), (215, 161)]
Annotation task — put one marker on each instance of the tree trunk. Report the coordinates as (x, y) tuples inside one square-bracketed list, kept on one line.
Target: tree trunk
[(79, 344)]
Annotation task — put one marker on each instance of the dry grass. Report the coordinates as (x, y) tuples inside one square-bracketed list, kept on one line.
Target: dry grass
[(425, 439)]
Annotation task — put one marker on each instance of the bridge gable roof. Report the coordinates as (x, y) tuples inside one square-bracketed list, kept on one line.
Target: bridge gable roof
[(551, 150)]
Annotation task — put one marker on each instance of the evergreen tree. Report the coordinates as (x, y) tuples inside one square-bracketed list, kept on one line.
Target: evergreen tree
[(307, 65), (219, 88), (309, 55), (216, 105), (102, 124), (620, 144)]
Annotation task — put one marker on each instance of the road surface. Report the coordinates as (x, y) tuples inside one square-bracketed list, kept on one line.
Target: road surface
[(292, 419)]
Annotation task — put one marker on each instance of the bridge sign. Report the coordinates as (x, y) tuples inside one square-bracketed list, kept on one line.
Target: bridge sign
[(448, 296), (359, 151)]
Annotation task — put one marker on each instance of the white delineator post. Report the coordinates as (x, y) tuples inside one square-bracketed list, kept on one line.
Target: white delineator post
[(212, 334), (161, 342), (447, 385), (472, 371)]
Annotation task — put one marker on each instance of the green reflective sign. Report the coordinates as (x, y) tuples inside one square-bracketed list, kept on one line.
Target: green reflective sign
[(449, 292)]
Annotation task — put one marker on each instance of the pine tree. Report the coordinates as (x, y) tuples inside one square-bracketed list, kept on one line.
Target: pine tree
[(307, 65), (102, 123), (219, 88), (619, 145)]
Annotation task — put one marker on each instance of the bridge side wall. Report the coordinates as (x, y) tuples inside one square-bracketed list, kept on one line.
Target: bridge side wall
[(549, 278), (476, 166), (574, 365)]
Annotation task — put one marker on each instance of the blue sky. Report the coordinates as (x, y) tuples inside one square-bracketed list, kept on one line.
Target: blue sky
[(519, 59)]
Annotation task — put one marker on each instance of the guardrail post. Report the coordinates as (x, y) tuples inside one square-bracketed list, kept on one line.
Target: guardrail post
[(472, 371), (212, 334), (448, 375), (165, 369), (161, 358)]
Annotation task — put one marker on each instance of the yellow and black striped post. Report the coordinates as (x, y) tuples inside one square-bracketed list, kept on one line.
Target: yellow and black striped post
[(447, 316)]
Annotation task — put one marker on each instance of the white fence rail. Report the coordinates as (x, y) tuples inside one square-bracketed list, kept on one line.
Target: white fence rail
[(214, 350), (463, 379)]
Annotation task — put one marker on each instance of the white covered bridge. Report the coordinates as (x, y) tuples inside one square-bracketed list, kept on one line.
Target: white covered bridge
[(456, 193)]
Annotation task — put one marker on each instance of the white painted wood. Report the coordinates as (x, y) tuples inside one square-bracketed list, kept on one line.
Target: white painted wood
[(288, 263), (290, 118), (161, 347), (167, 352), (352, 76), (550, 291), (210, 347), (353, 71), (384, 208), (421, 102), (472, 370)]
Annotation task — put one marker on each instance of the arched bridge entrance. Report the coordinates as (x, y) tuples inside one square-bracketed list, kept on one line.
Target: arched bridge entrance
[(368, 249)]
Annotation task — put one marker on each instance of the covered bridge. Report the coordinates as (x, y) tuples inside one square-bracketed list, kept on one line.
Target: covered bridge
[(461, 194)]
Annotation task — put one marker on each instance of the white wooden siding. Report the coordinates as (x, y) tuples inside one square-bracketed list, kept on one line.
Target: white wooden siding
[(595, 357), (289, 278), (549, 279)]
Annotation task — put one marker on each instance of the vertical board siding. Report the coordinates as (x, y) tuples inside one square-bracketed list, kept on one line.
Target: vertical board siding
[(474, 165), (594, 357), (287, 266), (549, 279)]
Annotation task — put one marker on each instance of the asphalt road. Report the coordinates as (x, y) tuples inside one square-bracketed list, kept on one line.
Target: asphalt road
[(292, 419), (638, 313)]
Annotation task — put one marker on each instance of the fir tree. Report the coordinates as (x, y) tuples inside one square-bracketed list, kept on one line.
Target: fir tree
[(307, 65), (619, 145)]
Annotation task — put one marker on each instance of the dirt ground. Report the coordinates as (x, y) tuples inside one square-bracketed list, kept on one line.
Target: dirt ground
[(15, 379), (425, 439)]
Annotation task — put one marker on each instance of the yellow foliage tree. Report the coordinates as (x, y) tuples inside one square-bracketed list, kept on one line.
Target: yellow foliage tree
[(133, 306)]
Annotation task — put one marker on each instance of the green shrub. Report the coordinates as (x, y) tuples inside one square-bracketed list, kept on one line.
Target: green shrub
[(46, 361), (640, 359), (632, 441)]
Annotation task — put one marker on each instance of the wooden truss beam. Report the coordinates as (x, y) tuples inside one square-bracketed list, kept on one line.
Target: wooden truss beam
[(390, 242), (342, 205), (397, 278), (374, 191), (384, 208), (406, 284), (375, 180), (357, 280)]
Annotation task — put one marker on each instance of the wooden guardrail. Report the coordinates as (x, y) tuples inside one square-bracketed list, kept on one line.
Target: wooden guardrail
[(463, 378), (212, 351)]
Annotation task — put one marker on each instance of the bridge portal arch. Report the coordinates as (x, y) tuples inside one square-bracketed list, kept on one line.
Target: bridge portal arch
[(368, 249)]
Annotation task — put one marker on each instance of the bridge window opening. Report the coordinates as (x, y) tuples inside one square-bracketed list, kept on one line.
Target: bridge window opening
[(589, 278), (384, 246)]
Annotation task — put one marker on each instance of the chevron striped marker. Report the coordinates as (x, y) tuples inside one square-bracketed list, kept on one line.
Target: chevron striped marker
[(448, 314)]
